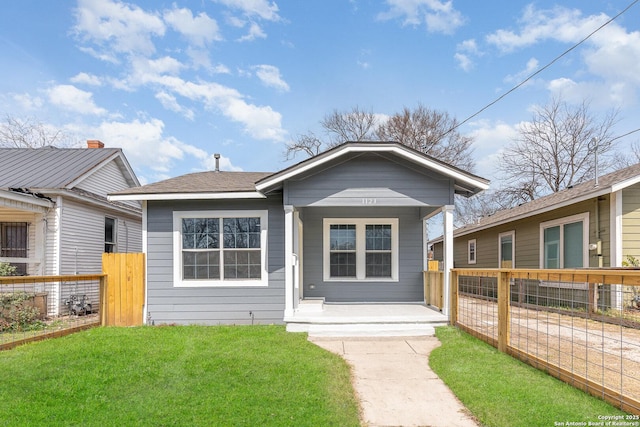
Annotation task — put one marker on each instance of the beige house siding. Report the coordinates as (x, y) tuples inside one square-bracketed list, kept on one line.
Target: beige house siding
[(527, 237), (631, 221)]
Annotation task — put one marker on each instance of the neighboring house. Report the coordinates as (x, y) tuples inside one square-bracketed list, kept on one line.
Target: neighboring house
[(592, 224), (347, 225), (55, 218)]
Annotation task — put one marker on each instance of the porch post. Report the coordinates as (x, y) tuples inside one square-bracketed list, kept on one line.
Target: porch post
[(448, 255), (288, 261)]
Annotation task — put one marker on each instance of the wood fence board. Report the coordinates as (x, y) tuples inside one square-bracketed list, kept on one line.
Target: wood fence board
[(125, 288)]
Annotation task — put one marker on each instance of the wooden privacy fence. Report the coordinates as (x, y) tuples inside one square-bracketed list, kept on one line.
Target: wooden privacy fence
[(434, 288), (123, 299), (581, 326)]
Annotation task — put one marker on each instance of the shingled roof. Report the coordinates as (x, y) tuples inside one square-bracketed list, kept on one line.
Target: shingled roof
[(606, 184), (209, 182)]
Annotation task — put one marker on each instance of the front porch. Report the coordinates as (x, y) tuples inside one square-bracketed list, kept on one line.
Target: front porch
[(337, 320)]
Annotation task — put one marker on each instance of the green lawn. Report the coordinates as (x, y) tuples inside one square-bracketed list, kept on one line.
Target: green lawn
[(502, 391), (175, 376)]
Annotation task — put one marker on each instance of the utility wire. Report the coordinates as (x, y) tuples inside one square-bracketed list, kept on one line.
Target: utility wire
[(541, 70)]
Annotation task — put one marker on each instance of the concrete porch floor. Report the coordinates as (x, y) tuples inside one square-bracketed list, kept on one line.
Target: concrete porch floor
[(369, 320)]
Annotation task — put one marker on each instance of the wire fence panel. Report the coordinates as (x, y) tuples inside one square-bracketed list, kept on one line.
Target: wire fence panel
[(39, 307), (580, 326)]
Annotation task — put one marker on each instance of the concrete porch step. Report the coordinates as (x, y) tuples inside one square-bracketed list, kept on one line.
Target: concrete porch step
[(364, 329), (364, 320)]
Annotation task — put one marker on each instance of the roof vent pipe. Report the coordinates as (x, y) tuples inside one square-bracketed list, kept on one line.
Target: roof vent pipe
[(217, 157)]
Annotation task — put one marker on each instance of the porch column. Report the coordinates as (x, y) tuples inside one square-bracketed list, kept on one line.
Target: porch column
[(288, 261), (447, 212)]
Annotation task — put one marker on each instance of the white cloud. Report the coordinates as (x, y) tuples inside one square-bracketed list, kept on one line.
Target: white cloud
[(262, 9), (465, 52), (560, 23), (125, 28), (199, 30), (270, 76), (489, 140), (170, 102), (27, 101), (611, 71), (530, 68), (73, 99), (255, 32), (87, 79), (438, 16), (260, 122), (138, 139)]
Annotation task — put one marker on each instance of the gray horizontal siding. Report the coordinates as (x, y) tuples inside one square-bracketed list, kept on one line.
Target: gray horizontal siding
[(409, 287), (212, 305), (370, 179)]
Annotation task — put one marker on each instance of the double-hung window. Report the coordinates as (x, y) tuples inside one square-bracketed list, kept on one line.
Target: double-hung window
[(220, 248), (360, 249), (506, 250), (471, 251), (564, 242)]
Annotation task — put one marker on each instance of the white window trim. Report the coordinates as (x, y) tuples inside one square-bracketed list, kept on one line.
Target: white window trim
[(115, 233), (584, 217), (178, 282), (471, 243), (511, 233), (360, 224)]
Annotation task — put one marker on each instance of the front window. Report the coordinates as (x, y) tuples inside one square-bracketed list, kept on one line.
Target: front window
[(563, 242), (360, 249), (220, 248), (14, 243)]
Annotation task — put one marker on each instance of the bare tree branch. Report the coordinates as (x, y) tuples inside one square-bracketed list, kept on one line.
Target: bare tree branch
[(30, 133), (555, 150)]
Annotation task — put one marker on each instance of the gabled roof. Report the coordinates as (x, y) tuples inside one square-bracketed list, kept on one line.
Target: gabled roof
[(609, 183), (219, 184), (465, 183), (56, 168), (199, 185)]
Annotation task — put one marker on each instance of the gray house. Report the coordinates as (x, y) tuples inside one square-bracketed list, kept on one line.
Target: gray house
[(345, 226)]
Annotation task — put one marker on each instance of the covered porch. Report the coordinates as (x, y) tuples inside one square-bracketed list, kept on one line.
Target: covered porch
[(355, 235)]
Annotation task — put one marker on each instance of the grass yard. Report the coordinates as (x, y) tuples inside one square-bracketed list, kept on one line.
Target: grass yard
[(176, 376), (502, 391)]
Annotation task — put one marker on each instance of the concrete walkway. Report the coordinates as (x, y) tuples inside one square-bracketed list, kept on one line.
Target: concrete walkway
[(395, 384)]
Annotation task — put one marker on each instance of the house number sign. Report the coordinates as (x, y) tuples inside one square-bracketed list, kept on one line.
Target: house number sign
[(369, 201)]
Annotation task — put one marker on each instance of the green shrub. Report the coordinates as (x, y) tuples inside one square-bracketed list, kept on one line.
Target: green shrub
[(16, 314), (7, 269)]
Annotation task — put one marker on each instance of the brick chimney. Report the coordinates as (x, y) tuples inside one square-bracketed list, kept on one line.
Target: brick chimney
[(94, 143)]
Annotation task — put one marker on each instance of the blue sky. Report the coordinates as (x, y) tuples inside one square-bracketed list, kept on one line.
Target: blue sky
[(173, 82)]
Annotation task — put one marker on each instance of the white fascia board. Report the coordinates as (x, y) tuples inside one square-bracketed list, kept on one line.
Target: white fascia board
[(188, 196), (373, 148), (566, 203), (25, 198), (624, 184)]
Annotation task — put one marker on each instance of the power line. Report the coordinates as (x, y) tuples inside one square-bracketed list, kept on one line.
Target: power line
[(495, 101)]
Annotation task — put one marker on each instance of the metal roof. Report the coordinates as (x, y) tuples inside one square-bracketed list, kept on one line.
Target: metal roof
[(49, 167)]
